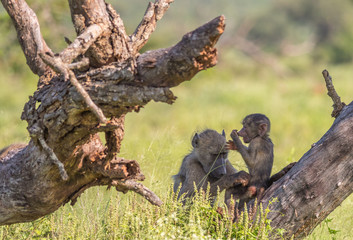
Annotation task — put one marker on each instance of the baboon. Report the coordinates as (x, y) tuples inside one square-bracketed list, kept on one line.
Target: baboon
[(258, 157), (207, 163)]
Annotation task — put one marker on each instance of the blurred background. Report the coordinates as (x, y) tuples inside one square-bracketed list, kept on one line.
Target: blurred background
[(271, 56)]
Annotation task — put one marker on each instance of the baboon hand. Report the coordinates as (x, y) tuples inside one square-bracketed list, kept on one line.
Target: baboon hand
[(244, 178), (251, 192), (241, 177), (231, 145), (234, 134)]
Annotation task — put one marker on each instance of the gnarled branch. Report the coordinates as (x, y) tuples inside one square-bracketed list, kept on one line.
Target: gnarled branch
[(118, 81)]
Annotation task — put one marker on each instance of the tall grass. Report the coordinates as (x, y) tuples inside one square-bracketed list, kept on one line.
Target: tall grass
[(131, 218), (160, 135)]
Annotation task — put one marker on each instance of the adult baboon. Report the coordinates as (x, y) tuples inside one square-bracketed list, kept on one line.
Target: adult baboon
[(207, 163)]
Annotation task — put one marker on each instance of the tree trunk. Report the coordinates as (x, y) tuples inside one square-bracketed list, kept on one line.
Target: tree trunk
[(320, 181), (85, 89)]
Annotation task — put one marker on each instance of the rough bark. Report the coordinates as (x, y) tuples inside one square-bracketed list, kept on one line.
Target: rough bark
[(85, 89)]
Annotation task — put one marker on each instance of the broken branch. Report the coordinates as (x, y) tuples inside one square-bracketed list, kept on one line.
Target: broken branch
[(126, 185), (171, 66), (337, 104)]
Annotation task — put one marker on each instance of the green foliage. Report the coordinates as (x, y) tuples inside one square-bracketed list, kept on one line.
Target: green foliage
[(321, 22)]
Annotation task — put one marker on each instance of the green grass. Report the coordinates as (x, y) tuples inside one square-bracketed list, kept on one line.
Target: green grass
[(159, 136), (131, 218)]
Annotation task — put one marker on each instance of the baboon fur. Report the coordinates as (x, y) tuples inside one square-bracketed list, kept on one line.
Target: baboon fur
[(207, 164)]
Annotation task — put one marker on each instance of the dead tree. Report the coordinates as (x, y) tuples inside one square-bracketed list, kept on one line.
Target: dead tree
[(85, 89), (89, 87), (320, 181)]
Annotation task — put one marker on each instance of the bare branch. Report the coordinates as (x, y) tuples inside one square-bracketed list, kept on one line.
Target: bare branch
[(125, 185), (120, 39), (337, 104), (28, 33), (113, 139), (83, 63), (154, 13), (82, 43)]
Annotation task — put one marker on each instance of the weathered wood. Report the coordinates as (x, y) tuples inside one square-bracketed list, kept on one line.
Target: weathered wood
[(107, 65), (62, 126), (317, 184), (85, 13), (171, 66)]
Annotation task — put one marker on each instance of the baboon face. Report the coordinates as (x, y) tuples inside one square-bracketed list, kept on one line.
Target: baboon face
[(209, 146), (254, 125)]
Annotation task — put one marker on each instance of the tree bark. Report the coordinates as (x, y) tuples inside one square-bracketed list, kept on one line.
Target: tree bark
[(85, 89)]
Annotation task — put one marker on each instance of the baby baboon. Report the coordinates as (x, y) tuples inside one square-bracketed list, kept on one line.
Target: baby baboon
[(207, 163), (258, 156)]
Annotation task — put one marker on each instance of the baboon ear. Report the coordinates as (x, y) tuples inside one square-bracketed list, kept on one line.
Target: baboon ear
[(195, 141), (263, 128), (223, 133)]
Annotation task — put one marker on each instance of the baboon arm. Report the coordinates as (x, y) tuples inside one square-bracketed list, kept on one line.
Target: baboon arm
[(231, 180), (246, 152), (248, 155), (196, 177)]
